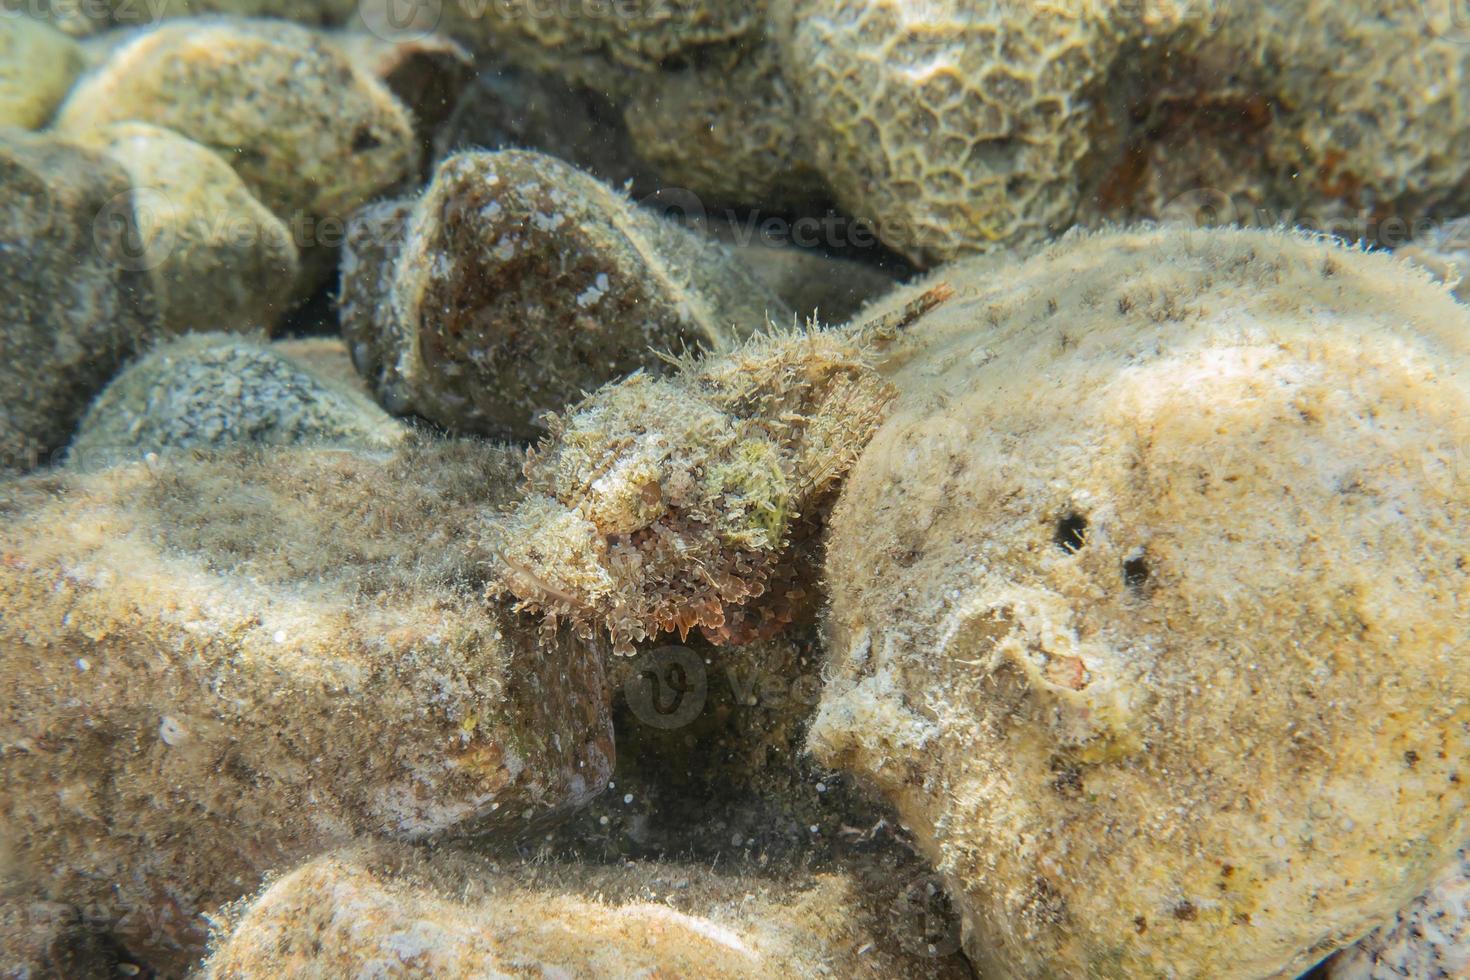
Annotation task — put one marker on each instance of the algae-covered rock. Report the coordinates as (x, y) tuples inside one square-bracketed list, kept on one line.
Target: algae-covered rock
[(46, 939), (399, 912), (427, 74), (311, 136), (603, 45), (516, 283), (731, 133), (218, 665), (211, 391), (77, 302), (1145, 600), (90, 18), (1429, 938), (38, 64), (218, 258), (818, 286), (506, 108)]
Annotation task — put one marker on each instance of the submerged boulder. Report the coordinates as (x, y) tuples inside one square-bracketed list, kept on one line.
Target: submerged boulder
[(215, 666)]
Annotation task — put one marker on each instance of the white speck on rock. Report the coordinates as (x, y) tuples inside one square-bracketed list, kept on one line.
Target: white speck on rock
[(594, 292), (171, 731)]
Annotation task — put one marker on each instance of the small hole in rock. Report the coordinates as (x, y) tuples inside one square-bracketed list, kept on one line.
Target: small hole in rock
[(1071, 533), (364, 140), (1135, 572)]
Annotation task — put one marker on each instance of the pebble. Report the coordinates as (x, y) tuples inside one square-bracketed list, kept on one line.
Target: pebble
[(218, 259), (37, 66), (212, 391), (398, 912), (311, 136), (76, 304), (515, 283)]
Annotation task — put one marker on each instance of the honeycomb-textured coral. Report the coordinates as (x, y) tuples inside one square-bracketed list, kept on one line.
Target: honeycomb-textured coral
[(950, 124), (962, 126), (1146, 601)]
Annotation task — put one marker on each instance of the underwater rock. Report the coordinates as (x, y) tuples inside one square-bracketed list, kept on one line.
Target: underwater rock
[(731, 134), (818, 286), (37, 66), (218, 258), (371, 331), (1430, 938), (516, 283), (507, 109), (77, 302), (1144, 600), (90, 18), (427, 74), (605, 46), (46, 939), (312, 137), (219, 665), (211, 391), (398, 911), (325, 357)]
